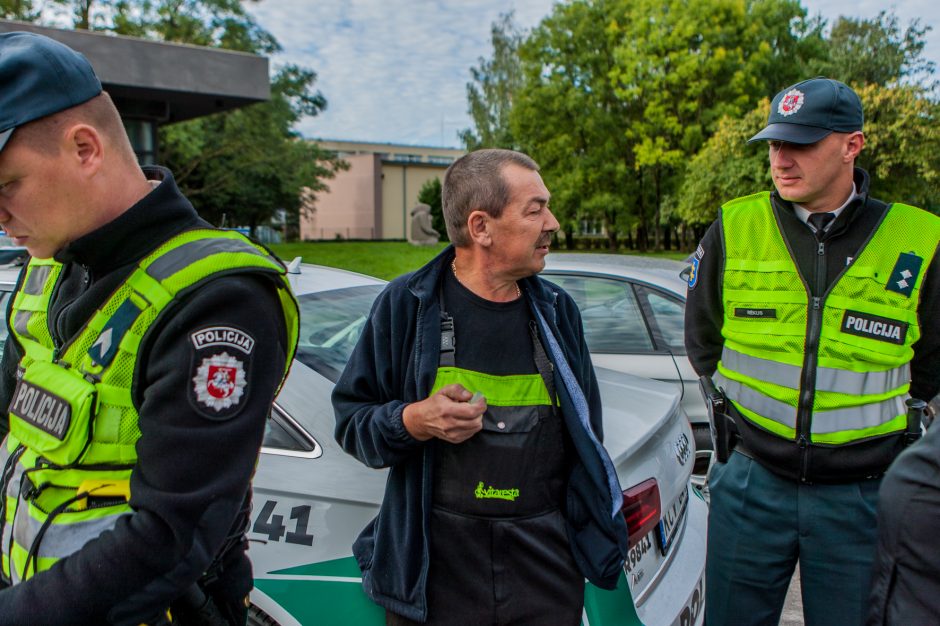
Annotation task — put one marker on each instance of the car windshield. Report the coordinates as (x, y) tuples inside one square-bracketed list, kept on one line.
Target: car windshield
[(330, 325)]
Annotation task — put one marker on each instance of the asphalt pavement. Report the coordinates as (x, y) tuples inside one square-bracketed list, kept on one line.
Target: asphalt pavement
[(793, 608)]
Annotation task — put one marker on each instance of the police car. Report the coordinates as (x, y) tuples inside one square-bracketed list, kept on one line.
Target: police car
[(311, 499)]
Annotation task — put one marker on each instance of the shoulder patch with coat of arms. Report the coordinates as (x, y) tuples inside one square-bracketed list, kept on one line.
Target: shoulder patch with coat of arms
[(219, 372)]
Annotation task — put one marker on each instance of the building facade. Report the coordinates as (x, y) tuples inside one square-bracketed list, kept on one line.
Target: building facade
[(154, 83), (373, 199)]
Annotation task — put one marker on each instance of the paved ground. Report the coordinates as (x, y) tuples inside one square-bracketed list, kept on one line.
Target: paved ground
[(793, 609)]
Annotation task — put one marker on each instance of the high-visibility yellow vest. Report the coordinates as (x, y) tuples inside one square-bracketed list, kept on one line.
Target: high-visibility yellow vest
[(843, 357), (73, 425)]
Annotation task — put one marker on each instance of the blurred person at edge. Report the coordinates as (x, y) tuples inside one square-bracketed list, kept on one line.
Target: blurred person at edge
[(474, 528), (814, 308), (145, 350)]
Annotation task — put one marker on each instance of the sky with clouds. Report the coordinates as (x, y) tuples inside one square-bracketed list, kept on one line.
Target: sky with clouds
[(395, 71)]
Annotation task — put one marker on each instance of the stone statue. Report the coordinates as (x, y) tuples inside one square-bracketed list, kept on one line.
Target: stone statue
[(422, 233)]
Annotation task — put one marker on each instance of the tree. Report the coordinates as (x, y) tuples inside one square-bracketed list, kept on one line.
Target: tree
[(571, 121), (23, 10), (876, 52), (901, 154), (243, 166), (490, 94), (620, 94), (725, 168), (902, 144), (430, 194), (685, 64)]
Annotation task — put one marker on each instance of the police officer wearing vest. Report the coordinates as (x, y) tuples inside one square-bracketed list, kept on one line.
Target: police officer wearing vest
[(814, 309), (472, 382), (144, 351)]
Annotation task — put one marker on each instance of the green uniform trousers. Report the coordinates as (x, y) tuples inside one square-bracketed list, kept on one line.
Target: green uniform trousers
[(760, 525)]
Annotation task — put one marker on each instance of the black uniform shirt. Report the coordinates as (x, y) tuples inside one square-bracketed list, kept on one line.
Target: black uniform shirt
[(190, 487)]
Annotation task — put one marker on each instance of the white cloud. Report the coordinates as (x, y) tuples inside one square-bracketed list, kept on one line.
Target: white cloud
[(396, 70)]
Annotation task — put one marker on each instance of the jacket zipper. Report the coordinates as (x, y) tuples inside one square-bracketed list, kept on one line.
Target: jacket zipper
[(810, 361), (59, 345)]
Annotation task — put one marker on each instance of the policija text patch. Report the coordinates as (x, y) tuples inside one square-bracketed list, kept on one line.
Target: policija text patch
[(874, 327), (44, 410)]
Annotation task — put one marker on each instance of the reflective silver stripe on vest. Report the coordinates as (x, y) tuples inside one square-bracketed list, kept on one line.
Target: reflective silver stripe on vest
[(827, 378), (20, 320), (59, 540), (189, 253), (754, 401), (858, 417), (37, 280), (823, 422)]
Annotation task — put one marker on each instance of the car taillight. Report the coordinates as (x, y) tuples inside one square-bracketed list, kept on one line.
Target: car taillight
[(641, 509)]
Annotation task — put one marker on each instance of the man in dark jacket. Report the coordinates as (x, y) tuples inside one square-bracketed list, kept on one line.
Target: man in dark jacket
[(473, 383), (814, 308), (156, 342), (906, 584)]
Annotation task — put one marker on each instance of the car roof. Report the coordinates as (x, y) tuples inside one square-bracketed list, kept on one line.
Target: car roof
[(309, 278), (652, 270)]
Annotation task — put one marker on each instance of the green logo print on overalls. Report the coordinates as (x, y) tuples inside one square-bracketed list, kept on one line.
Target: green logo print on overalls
[(499, 494)]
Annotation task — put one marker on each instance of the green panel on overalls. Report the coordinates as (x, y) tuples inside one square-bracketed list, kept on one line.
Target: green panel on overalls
[(73, 423)]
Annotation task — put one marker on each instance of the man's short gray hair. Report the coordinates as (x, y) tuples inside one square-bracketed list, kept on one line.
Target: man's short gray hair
[(475, 182)]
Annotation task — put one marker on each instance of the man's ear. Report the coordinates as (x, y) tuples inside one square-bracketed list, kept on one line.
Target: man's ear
[(85, 147), (853, 146), (478, 227)]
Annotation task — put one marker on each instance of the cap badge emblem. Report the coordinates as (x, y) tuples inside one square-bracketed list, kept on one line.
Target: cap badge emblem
[(791, 102)]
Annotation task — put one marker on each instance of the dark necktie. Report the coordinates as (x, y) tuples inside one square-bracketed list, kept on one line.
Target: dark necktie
[(819, 222)]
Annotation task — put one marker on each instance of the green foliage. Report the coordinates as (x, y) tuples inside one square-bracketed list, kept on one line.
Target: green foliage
[(240, 167), (23, 10), (383, 259), (725, 168), (902, 149), (570, 120), (430, 194), (639, 110), (490, 94), (876, 52)]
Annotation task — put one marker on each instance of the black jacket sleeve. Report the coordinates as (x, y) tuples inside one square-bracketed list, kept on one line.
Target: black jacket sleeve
[(192, 474), (925, 366), (371, 394), (704, 313)]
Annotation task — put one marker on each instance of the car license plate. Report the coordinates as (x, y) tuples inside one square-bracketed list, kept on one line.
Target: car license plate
[(672, 520), (647, 556)]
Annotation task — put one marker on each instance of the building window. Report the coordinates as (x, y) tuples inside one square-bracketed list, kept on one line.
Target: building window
[(142, 134), (440, 160), (406, 158)]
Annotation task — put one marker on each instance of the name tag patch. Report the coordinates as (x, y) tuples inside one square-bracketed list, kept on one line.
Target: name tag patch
[(44, 410), (874, 327), (756, 313)]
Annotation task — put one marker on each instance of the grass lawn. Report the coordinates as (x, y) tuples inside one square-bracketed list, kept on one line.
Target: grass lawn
[(384, 259)]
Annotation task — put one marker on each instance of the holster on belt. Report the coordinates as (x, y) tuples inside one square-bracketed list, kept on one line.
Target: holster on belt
[(723, 429), (917, 416)]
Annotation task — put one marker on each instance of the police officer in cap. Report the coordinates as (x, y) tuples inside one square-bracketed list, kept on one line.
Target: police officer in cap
[(145, 348), (813, 308)]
